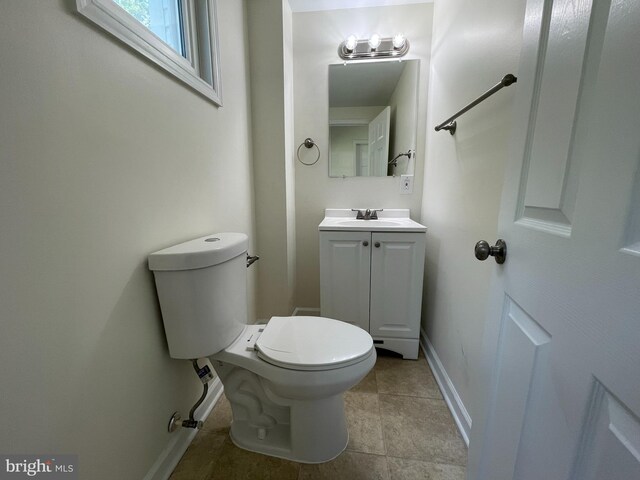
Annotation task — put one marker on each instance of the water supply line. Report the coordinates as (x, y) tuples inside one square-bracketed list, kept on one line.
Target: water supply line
[(176, 421), (192, 423)]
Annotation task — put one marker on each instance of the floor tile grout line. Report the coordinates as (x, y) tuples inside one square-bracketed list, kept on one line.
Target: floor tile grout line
[(426, 461), (410, 396), (384, 442)]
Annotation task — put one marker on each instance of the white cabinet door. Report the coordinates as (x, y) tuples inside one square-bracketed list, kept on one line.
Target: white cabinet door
[(562, 338), (345, 259), (397, 261)]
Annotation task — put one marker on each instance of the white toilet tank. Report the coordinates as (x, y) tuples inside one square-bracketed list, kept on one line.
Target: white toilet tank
[(202, 288)]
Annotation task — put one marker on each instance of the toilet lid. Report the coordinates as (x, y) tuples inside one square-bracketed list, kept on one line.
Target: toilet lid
[(312, 343)]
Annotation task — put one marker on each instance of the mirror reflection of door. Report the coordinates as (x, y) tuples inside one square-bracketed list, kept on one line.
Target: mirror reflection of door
[(379, 143), (361, 148), (346, 152)]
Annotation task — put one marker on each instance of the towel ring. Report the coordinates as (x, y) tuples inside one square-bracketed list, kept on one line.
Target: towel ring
[(308, 142)]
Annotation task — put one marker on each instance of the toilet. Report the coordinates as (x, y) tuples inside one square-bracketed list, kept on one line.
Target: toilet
[(284, 380)]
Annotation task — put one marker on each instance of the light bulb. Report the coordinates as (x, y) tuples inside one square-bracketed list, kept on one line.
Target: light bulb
[(350, 43), (374, 41), (398, 41)]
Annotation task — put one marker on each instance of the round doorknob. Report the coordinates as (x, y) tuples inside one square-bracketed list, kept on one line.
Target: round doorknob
[(499, 251), (365, 243), (377, 244)]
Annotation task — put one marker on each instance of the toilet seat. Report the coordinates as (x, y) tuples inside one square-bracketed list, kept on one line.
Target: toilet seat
[(312, 343)]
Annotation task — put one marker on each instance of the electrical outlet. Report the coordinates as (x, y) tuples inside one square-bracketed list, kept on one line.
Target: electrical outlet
[(406, 184)]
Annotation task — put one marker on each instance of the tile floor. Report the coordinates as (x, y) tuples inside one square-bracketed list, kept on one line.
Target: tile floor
[(399, 429)]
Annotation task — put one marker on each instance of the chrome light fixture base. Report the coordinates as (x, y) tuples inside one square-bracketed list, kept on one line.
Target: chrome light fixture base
[(363, 50)]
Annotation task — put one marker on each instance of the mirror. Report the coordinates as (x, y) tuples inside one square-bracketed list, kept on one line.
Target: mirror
[(373, 110)]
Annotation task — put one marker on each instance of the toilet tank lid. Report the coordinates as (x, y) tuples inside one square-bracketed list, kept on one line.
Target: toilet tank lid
[(200, 253)]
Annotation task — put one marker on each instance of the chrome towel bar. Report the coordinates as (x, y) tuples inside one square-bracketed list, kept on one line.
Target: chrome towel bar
[(449, 123)]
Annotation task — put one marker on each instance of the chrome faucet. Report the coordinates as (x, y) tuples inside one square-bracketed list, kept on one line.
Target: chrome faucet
[(368, 214)]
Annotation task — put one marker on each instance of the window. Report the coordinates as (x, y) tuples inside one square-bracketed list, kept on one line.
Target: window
[(162, 17), (179, 35)]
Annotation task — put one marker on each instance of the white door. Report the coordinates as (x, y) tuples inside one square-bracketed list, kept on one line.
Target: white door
[(397, 261), (345, 264), (361, 148), (563, 329), (379, 143)]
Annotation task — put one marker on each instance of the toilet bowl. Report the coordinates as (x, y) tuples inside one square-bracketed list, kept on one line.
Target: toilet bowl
[(284, 380), (286, 389)]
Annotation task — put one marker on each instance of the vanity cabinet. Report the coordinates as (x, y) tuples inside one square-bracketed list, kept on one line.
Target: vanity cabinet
[(345, 272), (374, 280)]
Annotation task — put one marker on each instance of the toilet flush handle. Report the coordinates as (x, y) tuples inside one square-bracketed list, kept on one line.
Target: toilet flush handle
[(252, 259)]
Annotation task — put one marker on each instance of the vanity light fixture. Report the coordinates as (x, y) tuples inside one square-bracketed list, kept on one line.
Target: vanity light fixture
[(374, 41), (398, 41), (350, 43), (373, 47)]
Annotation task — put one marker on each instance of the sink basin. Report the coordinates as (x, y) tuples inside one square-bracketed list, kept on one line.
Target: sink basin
[(373, 223), (393, 220)]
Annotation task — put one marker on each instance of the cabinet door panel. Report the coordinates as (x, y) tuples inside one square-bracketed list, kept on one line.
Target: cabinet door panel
[(344, 276), (396, 284)]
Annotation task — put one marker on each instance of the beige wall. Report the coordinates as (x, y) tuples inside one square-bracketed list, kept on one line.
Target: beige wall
[(343, 148), (269, 26), (474, 45), (289, 152), (316, 38), (404, 113), (104, 158)]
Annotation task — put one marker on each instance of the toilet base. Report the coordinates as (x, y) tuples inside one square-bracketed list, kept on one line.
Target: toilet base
[(313, 441), (303, 430)]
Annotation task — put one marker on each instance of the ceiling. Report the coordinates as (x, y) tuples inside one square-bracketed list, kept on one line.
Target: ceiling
[(351, 85), (319, 5)]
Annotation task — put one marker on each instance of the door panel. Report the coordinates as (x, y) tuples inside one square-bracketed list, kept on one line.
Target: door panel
[(396, 284), (523, 348), (556, 55), (562, 54), (345, 261), (567, 407), (362, 160), (379, 143), (631, 242), (610, 446)]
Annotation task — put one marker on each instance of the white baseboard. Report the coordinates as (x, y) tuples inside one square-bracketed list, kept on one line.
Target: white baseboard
[(454, 402), (181, 439), (306, 311)]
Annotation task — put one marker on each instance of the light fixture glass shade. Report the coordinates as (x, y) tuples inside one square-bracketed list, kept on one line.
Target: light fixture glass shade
[(350, 43), (398, 41), (374, 41)]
